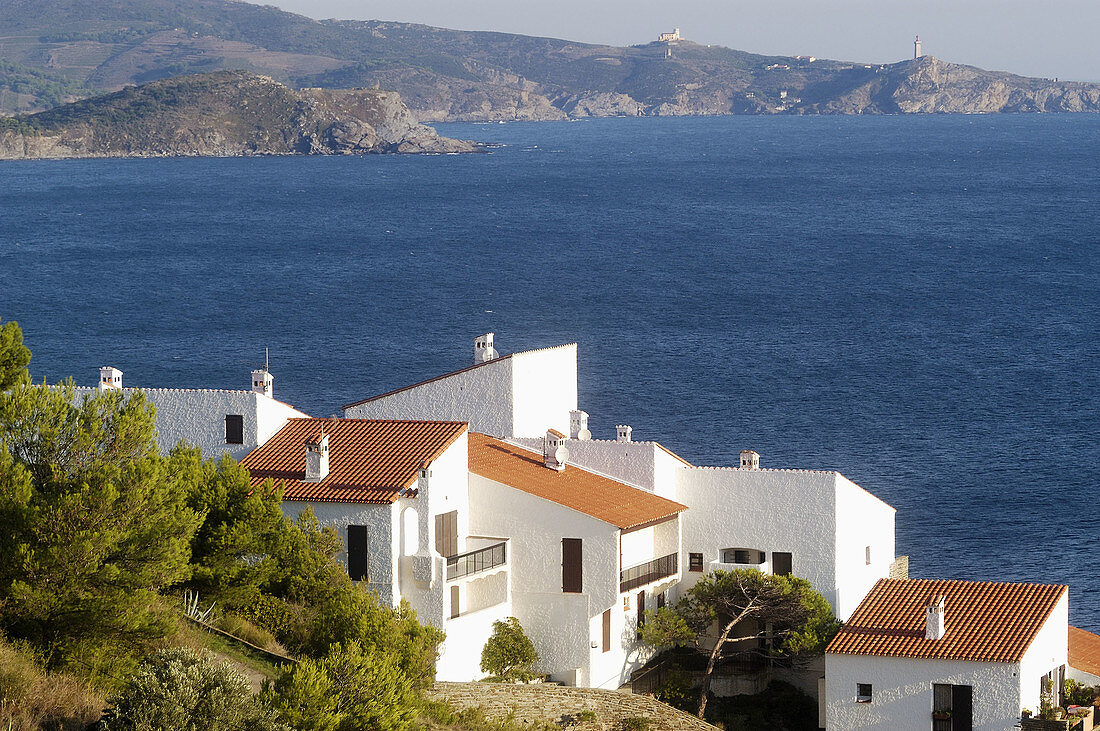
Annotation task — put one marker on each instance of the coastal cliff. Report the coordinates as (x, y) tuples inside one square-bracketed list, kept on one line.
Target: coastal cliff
[(225, 113)]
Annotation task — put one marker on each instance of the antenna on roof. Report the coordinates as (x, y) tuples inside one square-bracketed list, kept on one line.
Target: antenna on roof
[(266, 361)]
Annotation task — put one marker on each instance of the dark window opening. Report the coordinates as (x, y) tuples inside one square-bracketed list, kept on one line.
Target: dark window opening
[(571, 572), (641, 613), (952, 707), (782, 563), (357, 552), (749, 556), (863, 692), (234, 429), (695, 562)]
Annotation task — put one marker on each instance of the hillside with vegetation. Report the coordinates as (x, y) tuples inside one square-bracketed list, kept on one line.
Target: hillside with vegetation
[(222, 113), (77, 46)]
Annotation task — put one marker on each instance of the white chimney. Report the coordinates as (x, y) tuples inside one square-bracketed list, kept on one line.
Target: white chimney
[(934, 620), (622, 433), (422, 479), (578, 425), (109, 378), (750, 460), (483, 348), (263, 382), (317, 458), (554, 452)]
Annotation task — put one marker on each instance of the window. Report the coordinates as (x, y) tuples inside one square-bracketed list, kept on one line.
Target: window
[(357, 552), (782, 563), (446, 533), (742, 556), (863, 692), (607, 631), (661, 600), (952, 707), (455, 601), (641, 612), (695, 562), (867, 555), (234, 429), (571, 578)]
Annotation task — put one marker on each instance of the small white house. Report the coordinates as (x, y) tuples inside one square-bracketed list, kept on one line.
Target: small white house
[(946, 655), (218, 421), (1084, 657), (396, 492), (520, 394), (589, 555)]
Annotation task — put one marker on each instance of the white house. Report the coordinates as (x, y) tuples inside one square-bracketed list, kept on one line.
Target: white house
[(219, 421), (521, 394), (946, 655), (397, 493), (590, 555)]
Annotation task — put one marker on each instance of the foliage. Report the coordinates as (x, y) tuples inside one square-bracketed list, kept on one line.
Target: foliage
[(33, 698), (349, 689), (676, 690), (49, 89), (179, 690), (508, 653), (636, 723), (1079, 694), (436, 714), (14, 356), (780, 706), (95, 524), (788, 605)]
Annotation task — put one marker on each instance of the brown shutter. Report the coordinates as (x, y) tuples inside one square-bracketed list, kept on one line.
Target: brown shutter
[(781, 563), (607, 631), (571, 578), (234, 429), (357, 552), (454, 601), (446, 533)]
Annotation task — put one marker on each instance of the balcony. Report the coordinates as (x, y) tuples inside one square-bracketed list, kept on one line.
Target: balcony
[(477, 561), (648, 572)]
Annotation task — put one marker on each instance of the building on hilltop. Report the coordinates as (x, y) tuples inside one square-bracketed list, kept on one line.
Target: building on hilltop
[(669, 37), (218, 421), (947, 654)]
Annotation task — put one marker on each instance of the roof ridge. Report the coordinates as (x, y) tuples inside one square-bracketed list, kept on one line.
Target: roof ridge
[(568, 464)]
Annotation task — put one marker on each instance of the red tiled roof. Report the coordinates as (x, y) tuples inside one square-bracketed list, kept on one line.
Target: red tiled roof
[(370, 461), (984, 621), (1084, 651), (586, 492)]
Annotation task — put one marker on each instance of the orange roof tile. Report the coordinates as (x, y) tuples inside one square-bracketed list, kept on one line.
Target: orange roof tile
[(370, 461), (985, 621), (1084, 651), (575, 488)]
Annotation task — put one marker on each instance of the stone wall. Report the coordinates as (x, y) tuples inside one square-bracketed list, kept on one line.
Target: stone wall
[(540, 702)]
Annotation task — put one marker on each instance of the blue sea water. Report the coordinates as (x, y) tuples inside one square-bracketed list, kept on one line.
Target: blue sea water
[(910, 300)]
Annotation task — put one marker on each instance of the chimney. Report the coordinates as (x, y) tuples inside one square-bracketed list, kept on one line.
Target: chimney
[(317, 458), (262, 380), (750, 460), (578, 425), (622, 433), (554, 453), (109, 378), (934, 619), (483, 348)]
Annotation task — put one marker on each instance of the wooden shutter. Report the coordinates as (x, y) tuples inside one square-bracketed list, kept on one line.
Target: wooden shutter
[(781, 563), (607, 631), (357, 552), (446, 533), (571, 578), (455, 603), (234, 429), (962, 708)]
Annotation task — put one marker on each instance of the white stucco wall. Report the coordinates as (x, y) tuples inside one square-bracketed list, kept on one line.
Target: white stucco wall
[(1049, 650), (197, 416), (862, 520), (641, 464), (380, 521), (544, 388), (902, 692), (562, 626), (481, 396)]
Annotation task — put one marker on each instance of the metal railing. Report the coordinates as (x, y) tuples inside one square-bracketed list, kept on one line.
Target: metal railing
[(648, 572), (472, 562)]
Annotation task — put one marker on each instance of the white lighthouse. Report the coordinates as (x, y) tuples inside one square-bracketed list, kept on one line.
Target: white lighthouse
[(916, 49)]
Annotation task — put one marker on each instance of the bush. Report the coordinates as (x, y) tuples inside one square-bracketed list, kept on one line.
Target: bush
[(347, 690), (245, 630), (509, 653), (635, 723), (31, 698), (179, 689)]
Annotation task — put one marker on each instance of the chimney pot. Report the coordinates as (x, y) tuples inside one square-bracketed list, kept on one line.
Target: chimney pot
[(622, 433), (750, 460), (935, 621), (578, 425), (483, 348), (554, 453), (317, 458), (263, 382), (109, 378)]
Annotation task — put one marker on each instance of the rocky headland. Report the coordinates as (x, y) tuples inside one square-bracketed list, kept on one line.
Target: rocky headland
[(225, 113)]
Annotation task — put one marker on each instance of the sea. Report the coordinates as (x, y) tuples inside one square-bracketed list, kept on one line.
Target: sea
[(912, 301)]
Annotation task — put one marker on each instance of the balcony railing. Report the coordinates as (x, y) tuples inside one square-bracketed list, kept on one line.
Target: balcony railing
[(472, 562), (648, 572)]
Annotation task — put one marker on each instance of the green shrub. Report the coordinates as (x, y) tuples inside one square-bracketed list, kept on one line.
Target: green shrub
[(247, 631), (32, 698), (508, 653), (635, 723), (180, 690)]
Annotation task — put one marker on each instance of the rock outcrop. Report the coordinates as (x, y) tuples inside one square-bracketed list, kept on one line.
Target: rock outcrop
[(225, 113)]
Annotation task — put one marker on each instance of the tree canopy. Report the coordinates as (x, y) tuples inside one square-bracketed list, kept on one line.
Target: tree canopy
[(14, 356), (783, 609)]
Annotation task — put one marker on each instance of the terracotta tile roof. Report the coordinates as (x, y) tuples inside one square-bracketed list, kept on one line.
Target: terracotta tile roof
[(575, 488), (985, 621), (1084, 651), (370, 461), (498, 359)]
